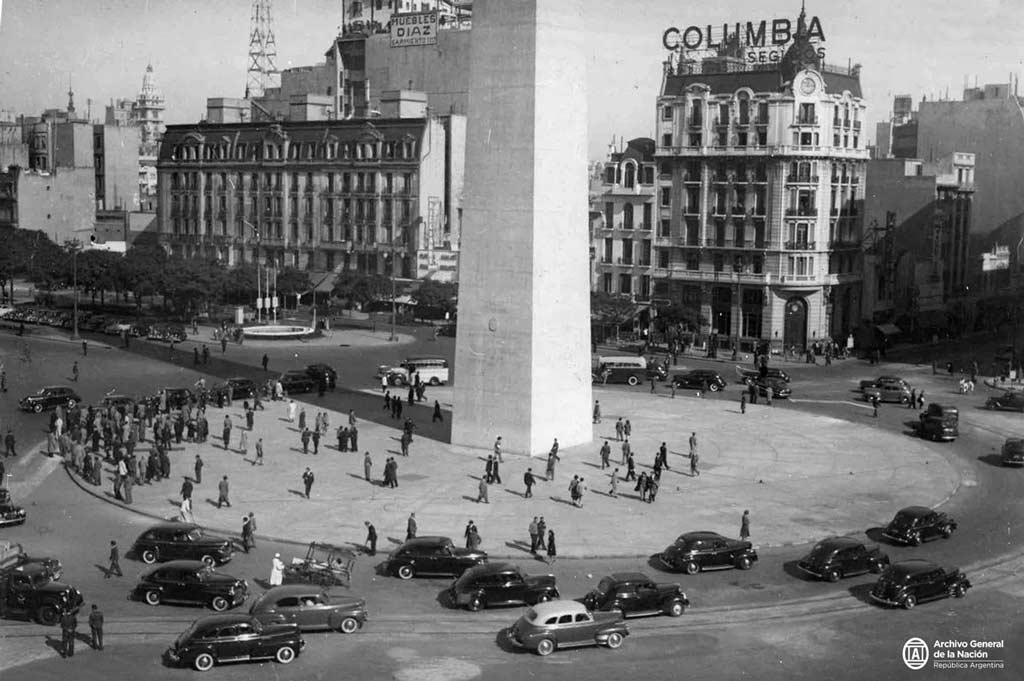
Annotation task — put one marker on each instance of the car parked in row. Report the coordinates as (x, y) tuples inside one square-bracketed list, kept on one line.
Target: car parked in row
[(909, 582), (238, 387), (835, 558), (295, 382), (699, 379), (746, 374), (184, 541), (1008, 401), (693, 552), (433, 557), (915, 524), (50, 397), (779, 387), (310, 608), (218, 639), (190, 582), (325, 373), (546, 627), (635, 594), (496, 584)]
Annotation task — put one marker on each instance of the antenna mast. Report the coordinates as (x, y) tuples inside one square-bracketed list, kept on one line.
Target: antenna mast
[(262, 51)]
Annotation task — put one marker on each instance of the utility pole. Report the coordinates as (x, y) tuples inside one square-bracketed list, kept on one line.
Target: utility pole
[(74, 246)]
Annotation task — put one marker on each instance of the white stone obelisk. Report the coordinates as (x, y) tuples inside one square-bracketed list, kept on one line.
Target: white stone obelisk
[(522, 358)]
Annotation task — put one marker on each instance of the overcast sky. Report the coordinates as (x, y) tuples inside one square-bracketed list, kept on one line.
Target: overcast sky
[(199, 49)]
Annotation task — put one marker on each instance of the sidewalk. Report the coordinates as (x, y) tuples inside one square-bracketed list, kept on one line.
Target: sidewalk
[(802, 477)]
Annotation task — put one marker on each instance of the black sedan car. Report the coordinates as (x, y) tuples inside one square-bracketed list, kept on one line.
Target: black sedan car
[(432, 556), (294, 382), (11, 514), (234, 638), (50, 397), (176, 397), (187, 541), (492, 584), (635, 594), (240, 388), (323, 372), (1010, 401), (909, 582), (310, 607), (915, 524), (1013, 452), (779, 387), (698, 379), (190, 582), (696, 551), (834, 558)]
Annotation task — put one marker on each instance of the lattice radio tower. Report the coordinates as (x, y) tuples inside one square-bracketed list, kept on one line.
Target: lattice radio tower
[(262, 71)]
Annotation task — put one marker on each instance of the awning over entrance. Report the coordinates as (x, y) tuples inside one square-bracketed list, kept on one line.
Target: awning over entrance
[(889, 329)]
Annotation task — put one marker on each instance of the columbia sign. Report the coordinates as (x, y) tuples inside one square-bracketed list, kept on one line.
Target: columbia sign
[(414, 29)]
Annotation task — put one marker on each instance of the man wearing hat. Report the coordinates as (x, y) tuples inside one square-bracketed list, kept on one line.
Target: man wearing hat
[(277, 571)]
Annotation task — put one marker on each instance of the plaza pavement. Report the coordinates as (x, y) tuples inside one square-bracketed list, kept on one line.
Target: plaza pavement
[(802, 476)]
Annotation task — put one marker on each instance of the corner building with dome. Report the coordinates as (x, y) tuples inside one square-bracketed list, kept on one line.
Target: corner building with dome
[(759, 195)]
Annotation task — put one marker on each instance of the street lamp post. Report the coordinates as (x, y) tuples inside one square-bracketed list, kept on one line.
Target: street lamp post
[(259, 298), (74, 246)]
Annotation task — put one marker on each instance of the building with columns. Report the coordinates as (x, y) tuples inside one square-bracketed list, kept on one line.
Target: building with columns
[(377, 196), (759, 192)]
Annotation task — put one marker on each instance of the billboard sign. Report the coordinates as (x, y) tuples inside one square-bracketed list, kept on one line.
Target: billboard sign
[(764, 41), (418, 28)]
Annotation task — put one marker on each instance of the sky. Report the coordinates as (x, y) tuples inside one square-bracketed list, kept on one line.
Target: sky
[(199, 48)]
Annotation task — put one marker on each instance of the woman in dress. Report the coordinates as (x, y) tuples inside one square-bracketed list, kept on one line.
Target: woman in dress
[(552, 553)]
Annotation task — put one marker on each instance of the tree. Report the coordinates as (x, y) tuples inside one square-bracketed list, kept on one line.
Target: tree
[(436, 294), (359, 289), (143, 271), (292, 281), (678, 313)]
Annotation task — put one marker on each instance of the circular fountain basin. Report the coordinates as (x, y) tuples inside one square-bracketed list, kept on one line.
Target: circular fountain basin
[(277, 332)]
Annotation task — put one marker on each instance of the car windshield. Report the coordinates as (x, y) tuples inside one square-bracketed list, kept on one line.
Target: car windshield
[(203, 574), (530, 615), (195, 534), (606, 585), (891, 576), (821, 551), (42, 391), (904, 520), (186, 635)]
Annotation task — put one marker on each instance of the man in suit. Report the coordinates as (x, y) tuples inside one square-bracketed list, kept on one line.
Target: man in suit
[(222, 493), (68, 628), (307, 480), (410, 527), (529, 481), (96, 627), (371, 538)]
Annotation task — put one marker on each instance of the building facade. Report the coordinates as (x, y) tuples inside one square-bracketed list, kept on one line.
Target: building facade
[(759, 195), (60, 202), (374, 197), (145, 112)]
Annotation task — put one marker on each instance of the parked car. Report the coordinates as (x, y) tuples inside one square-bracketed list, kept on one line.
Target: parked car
[(1009, 401), (696, 551), (834, 558), (939, 422), (176, 397), (779, 387), (241, 388), (909, 582), (323, 372), (190, 582), (636, 594), (11, 514), (697, 378), (886, 389), (234, 638), (294, 382), (30, 591), (1013, 452), (546, 627), (915, 524), (173, 541), (490, 584), (628, 374), (432, 556), (50, 397), (13, 555), (310, 607), (746, 375), (119, 402), (172, 333)]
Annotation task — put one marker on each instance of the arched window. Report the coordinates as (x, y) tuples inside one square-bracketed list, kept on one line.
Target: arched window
[(629, 177)]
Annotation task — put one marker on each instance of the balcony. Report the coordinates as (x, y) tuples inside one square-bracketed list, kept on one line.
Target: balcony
[(797, 278), (842, 244), (856, 125), (802, 212), (807, 120), (715, 242), (799, 246), (695, 122), (741, 121), (802, 179), (722, 122)]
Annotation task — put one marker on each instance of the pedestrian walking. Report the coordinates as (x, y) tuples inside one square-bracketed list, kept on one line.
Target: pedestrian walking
[(694, 460), (542, 528), (316, 441), (438, 416), (769, 393), (913, 399), (874, 406), (652, 385), (920, 400), (85, 348), (404, 443), (243, 444), (259, 453), (627, 429), (68, 631), (307, 480), (223, 344), (74, 372), (663, 455), (619, 428), (605, 453), (552, 552), (226, 432), (626, 451), (96, 627), (533, 535), (384, 383), (693, 444), (367, 465), (250, 415), (265, 361), (115, 561), (371, 538), (745, 526), (529, 481), (743, 403), (614, 492), (482, 493), (276, 570), (222, 493), (630, 468), (497, 449), (199, 469), (496, 472), (186, 489), (305, 440), (246, 533), (410, 527), (292, 407), (302, 418), (597, 411)]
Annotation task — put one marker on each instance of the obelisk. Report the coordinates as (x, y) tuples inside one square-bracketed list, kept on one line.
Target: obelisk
[(522, 357)]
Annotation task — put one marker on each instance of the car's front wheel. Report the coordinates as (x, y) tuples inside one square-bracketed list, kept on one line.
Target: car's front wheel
[(691, 568), (152, 597), (908, 602), (744, 563), (219, 604), (285, 654), (47, 615), (545, 647), (203, 662), (434, 381), (37, 407), (633, 380), (406, 572), (832, 575), (714, 387), (676, 609), (475, 604), (349, 625), (946, 531), (149, 556), (614, 640), (71, 404), (209, 561)]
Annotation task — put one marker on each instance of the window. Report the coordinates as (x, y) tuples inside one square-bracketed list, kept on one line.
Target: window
[(608, 250), (606, 282), (722, 138), (629, 177), (693, 171), (666, 196), (741, 139), (719, 262), (695, 140), (648, 175), (666, 113), (744, 111), (627, 252), (627, 216), (665, 228), (666, 139), (646, 224), (807, 115), (697, 113), (723, 114), (625, 283), (663, 258)]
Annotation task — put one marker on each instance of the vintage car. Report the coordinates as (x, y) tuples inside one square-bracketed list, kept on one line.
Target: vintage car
[(125, 403), (886, 389), (780, 388), (30, 591), (11, 514), (190, 582), (635, 594), (309, 607), (293, 382), (176, 397), (939, 422), (172, 333), (50, 397), (834, 558), (491, 584), (181, 541), (627, 373), (746, 374), (14, 555), (1008, 401), (234, 638), (1012, 453), (909, 582), (432, 556), (915, 524), (696, 551), (323, 372), (240, 388), (546, 627), (698, 378)]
